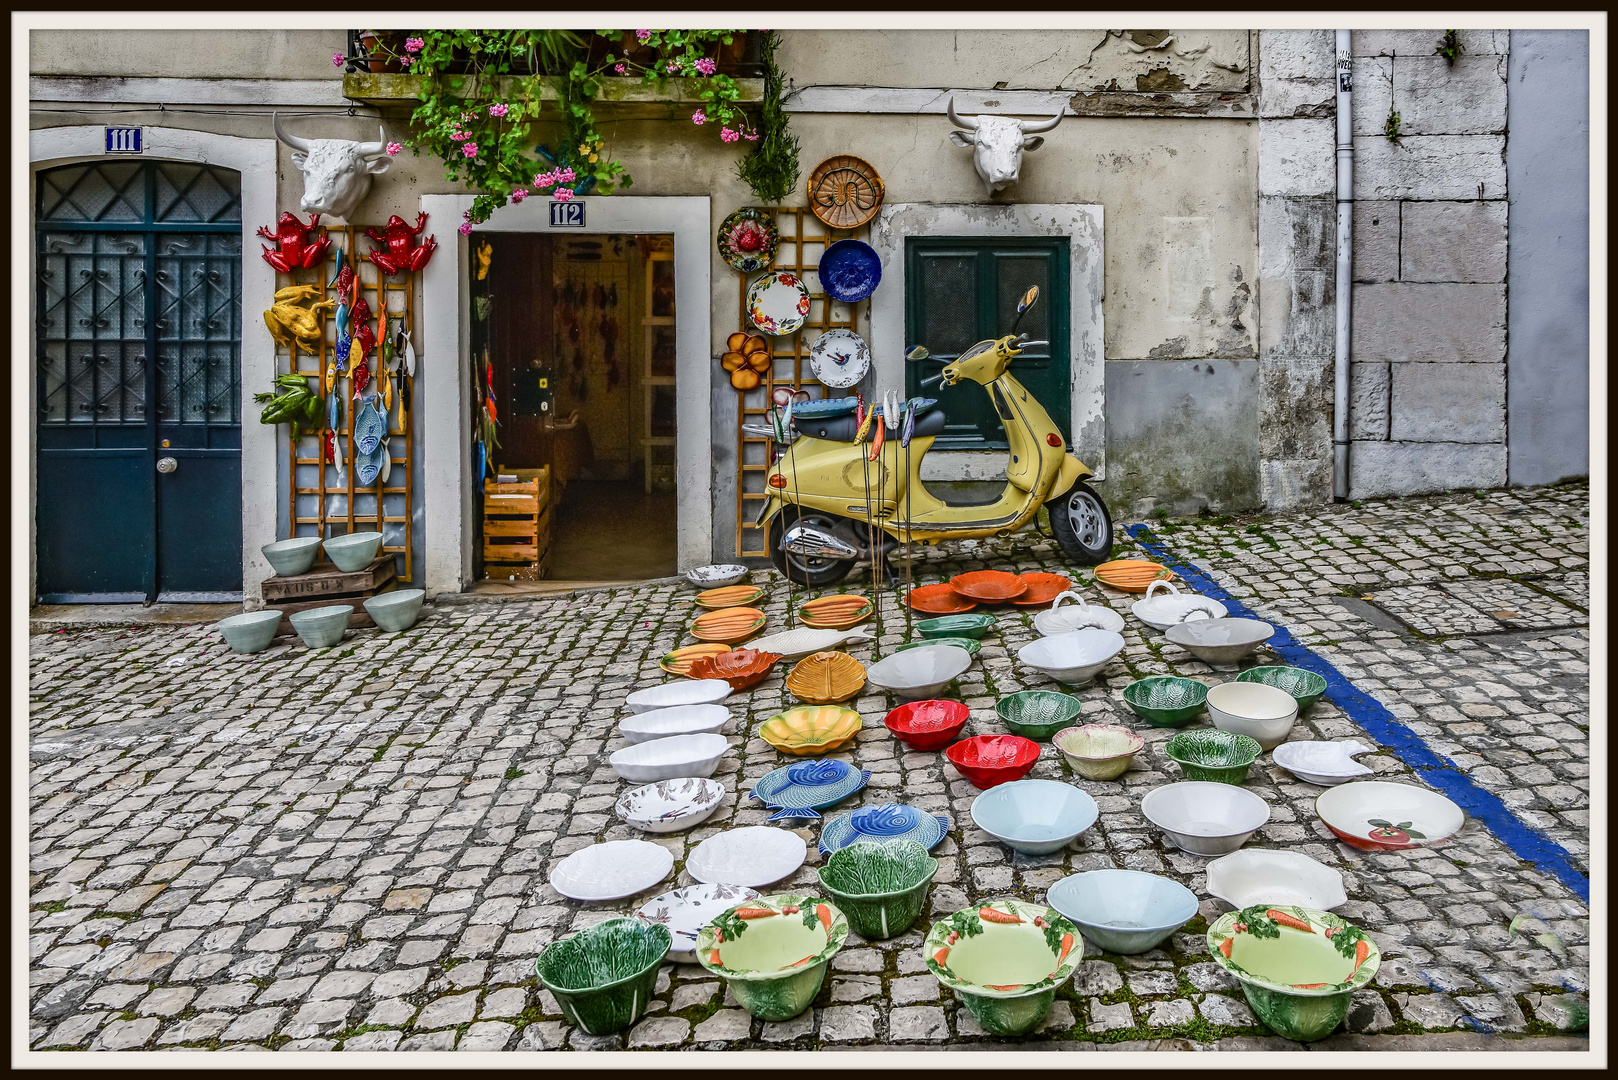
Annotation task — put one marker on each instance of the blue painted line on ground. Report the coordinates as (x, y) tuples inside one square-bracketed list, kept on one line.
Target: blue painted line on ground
[(1528, 843)]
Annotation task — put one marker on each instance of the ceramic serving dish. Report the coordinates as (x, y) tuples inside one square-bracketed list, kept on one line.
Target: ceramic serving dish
[(1219, 756), (1378, 815), (1298, 966), (731, 626), (1166, 700), (1042, 588), (939, 599), (989, 586), (1035, 817), (679, 661), (811, 729), (920, 673), (1220, 643), (1099, 751), (251, 631), (777, 303), (987, 760), (888, 823), (773, 951), (929, 724), (678, 720), (1131, 575), (845, 192), (1260, 712), (799, 792), (1124, 911), (1072, 658), (603, 976), (612, 870), (1004, 960), (1260, 876), (836, 612), (839, 358), (849, 270), (800, 642), (971, 645), (1305, 686), (397, 610), (729, 596), (686, 911), (696, 692), (1164, 605), (880, 888), (717, 575), (1037, 714), (354, 551), (754, 856), (665, 759), (748, 239), (973, 626), (1204, 818), (321, 627), (670, 805), (1325, 763), (826, 677), (1069, 612), (289, 558), (741, 668)]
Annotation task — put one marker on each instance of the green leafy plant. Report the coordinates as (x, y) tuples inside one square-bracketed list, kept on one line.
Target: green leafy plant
[(1391, 128), (1450, 47), (771, 170)]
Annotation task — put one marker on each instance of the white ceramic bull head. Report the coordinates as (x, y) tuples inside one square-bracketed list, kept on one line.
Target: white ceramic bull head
[(998, 143), (336, 172)]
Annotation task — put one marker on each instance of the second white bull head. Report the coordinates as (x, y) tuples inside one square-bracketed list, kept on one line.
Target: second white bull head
[(998, 143), (336, 172)]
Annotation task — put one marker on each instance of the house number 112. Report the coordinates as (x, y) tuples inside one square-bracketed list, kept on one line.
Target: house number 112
[(567, 214)]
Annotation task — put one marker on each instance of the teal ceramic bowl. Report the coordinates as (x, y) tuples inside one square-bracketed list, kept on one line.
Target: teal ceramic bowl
[(1222, 757), (321, 627), (880, 887), (397, 610), (604, 975), (355, 551), (971, 625), (1166, 700), (1037, 714), (251, 631), (971, 645), (1306, 686), (289, 558)]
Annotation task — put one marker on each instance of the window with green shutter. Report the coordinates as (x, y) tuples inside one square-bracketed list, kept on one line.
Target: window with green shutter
[(959, 291)]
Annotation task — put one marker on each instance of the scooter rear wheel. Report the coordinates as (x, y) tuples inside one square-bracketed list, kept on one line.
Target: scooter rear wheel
[(1082, 526), (804, 569)]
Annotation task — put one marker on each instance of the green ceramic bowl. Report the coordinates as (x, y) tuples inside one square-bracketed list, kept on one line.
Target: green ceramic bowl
[(1298, 979), (1166, 700), (251, 631), (880, 887), (604, 975), (1037, 714), (1220, 756), (970, 625), (773, 951), (1005, 969), (1306, 686), (971, 645)]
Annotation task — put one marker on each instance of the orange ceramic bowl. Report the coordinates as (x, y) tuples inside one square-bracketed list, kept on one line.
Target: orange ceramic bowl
[(927, 725), (989, 760), (941, 599), (741, 668), (989, 586), (1042, 588)]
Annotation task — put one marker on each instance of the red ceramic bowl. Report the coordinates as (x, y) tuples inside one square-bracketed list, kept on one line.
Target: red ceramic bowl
[(927, 725), (940, 599), (1042, 588), (989, 760), (989, 586)]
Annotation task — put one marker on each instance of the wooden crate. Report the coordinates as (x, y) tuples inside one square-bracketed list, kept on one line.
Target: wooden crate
[(517, 525), (325, 580)]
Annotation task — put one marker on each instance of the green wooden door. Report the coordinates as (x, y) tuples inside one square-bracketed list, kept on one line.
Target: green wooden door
[(959, 291)]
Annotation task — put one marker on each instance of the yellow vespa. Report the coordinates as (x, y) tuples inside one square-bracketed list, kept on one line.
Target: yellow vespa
[(839, 476)]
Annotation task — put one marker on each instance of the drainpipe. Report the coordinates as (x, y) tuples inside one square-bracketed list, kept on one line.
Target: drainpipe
[(1345, 257)]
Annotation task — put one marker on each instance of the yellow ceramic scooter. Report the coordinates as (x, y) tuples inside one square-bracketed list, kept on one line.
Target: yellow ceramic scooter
[(838, 475)]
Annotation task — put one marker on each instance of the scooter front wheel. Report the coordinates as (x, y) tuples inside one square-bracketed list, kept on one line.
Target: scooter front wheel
[(807, 570), (1082, 526)]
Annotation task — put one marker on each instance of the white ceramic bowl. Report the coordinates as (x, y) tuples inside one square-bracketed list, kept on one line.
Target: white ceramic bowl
[(1379, 815), (1253, 709), (1060, 619), (670, 805), (612, 870), (1262, 876), (684, 692), (665, 759), (1035, 817), (680, 720), (753, 856), (1220, 643), (919, 673), (1072, 658), (1205, 818), (1162, 612), (1323, 763), (717, 576)]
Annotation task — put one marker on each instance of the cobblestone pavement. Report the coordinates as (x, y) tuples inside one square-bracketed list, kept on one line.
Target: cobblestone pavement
[(349, 849)]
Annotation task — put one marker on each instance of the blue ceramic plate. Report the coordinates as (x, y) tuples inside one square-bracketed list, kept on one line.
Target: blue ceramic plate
[(825, 408), (883, 824), (798, 791), (850, 271)]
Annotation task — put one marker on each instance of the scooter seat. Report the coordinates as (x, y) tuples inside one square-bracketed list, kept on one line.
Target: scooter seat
[(843, 428)]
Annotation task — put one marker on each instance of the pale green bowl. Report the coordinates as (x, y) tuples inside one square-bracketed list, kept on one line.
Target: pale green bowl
[(289, 558), (354, 551), (321, 627), (251, 631), (395, 611)]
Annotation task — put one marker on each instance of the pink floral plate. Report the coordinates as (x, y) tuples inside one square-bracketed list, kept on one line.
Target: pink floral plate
[(748, 239), (778, 303)]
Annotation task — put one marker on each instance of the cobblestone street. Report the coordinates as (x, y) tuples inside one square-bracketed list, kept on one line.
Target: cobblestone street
[(349, 849)]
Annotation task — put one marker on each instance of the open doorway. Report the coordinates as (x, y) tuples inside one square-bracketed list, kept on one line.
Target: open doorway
[(579, 336)]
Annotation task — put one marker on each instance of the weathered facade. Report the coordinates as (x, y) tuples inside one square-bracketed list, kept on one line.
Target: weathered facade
[(1208, 157)]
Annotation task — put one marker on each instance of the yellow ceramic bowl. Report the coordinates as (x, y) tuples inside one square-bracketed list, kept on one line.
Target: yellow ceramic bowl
[(811, 729), (826, 677)]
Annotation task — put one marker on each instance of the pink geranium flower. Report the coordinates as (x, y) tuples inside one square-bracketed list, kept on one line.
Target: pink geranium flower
[(563, 194), (642, 35), (498, 109), (543, 180), (699, 117), (619, 68), (470, 149), (394, 149), (673, 66), (727, 135), (565, 175), (706, 66), (414, 44), (407, 60), (337, 59), (459, 136), (519, 195), (465, 228)]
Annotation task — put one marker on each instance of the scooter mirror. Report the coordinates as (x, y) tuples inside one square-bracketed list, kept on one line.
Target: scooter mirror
[(1028, 299), (918, 353)]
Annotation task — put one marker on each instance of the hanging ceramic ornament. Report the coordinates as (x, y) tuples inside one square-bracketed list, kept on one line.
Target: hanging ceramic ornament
[(360, 377), (410, 353), (344, 344), (364, 336)]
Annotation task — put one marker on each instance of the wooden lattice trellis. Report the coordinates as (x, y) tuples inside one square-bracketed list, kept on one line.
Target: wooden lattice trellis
[(802, 237)]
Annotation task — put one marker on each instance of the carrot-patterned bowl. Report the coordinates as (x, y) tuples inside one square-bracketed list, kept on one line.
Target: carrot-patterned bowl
[(773, 951), (1004, 959), (837, 612), (1298, 966), (741, 668), (730, 626), (987, 760)]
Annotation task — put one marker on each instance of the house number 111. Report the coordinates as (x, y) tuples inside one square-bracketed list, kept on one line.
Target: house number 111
[(567, 214)]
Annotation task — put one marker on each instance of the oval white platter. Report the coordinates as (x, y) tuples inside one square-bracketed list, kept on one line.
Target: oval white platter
[(752, 856), (612, 870)]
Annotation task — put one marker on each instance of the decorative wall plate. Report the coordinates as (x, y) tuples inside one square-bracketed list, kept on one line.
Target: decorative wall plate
[(679, 661), (836, 612), (811, 729), (845, 191), (840, 358), (729, 596), (730, 625), (778, 303), (888, 823), (849, 270), (612, 870), (748, 239), (752, 856), (799, 791), (686, 911), (825, 677)]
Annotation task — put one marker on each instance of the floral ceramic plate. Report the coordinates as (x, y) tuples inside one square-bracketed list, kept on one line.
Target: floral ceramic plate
[(883, 824), (748, 239), (686, 911), (811, 729), (1379, 815), (799, 791), (778, 303), (612, 870), (756, 855), (840, 358), (670, 805)]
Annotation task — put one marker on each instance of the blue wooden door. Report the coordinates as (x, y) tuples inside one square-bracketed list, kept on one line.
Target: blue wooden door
[(139, 343)]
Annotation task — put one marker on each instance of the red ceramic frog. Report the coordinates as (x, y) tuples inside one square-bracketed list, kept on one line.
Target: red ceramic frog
[(402, 255), (364, 336), (293, 237)]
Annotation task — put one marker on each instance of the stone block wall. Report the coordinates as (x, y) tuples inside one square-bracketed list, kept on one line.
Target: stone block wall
[(1428, 404)]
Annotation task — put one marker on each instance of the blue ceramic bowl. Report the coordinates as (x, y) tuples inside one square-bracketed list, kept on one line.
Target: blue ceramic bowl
[(321, 627), (1035, 817), (1124, 911), (397, 610), (850, 271), (251, 631), (289, 558), (355, 551)]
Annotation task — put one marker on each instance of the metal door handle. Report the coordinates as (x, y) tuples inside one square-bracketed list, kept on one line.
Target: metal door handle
[(167, 464)]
